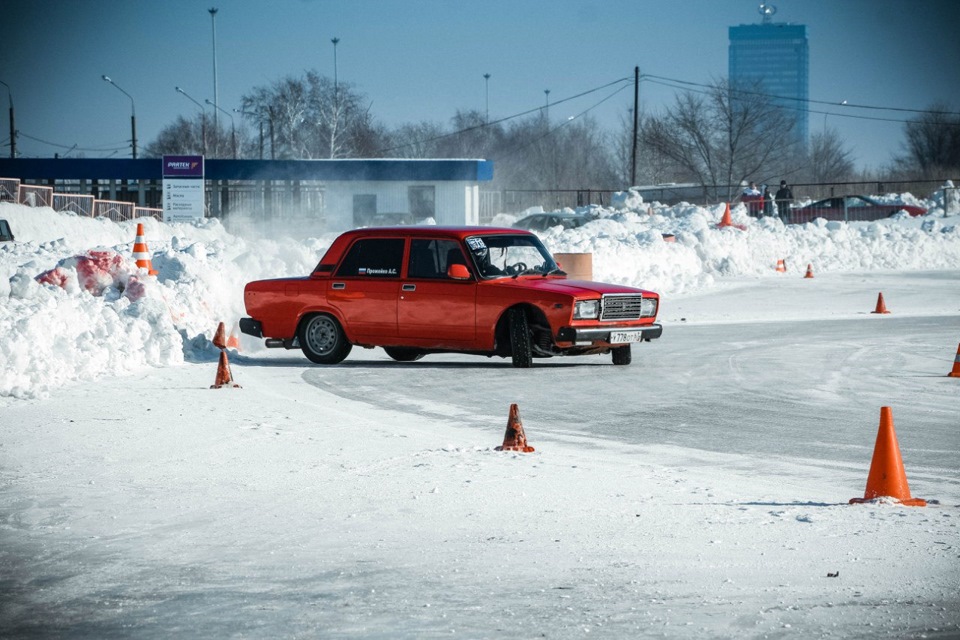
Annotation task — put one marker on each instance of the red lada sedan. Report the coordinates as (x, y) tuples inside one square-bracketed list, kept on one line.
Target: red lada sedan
[(428, 289)]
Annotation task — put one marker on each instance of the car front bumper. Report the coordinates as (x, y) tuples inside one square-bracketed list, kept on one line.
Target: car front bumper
[(590, 335)]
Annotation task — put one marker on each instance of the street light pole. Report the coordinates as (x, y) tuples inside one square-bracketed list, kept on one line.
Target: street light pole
[(13, 129), (233, 128), (133, 116), (216, 92), (547, 111), (203, 120), (486, 79)]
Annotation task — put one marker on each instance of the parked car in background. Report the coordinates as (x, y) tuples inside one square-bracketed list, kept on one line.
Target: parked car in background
[(6, 234), (848, 208), (544, 221), (430, 289)]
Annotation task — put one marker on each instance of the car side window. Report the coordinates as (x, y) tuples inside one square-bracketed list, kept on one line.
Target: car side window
[(373, 258), (430, 258)]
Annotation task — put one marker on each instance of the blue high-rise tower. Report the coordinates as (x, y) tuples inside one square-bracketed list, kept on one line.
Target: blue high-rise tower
[(777, 55)]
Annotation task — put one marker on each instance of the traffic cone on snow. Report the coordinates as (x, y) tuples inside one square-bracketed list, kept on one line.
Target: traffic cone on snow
[(233, 340), (956, 366), (140, 252), (809, 273), (224, 377), (219, 338), (781, 266), (725, 221), (515, 439), (887, 477), (881, 308)]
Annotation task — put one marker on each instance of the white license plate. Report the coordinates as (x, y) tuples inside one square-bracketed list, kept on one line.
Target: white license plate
[(623, 337)]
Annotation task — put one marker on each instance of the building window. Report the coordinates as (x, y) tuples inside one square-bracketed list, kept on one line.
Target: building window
[(423, 202), (364, 208)]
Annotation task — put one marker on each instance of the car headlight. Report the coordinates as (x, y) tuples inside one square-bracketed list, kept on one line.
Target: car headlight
[(586, 309), (648, 307)]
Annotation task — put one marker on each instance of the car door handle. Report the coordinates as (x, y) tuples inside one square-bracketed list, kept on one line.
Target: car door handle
[(339, 285), (409, 287)]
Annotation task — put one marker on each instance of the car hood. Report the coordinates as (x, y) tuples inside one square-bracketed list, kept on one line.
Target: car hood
[(580, 288)]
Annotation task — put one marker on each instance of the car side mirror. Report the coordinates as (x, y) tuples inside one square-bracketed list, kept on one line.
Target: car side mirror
[(458, 272)]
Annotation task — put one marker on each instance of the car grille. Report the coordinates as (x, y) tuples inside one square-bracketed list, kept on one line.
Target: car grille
[(625, 307)]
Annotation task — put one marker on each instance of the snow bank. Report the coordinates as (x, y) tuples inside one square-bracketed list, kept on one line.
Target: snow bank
[(54, 335)]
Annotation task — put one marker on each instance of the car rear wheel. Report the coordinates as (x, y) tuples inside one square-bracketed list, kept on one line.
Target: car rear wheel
[(404, 354), (322, 339), (621, 355), (521, 350)]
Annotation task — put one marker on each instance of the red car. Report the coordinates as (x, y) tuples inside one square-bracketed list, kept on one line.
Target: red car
[(848, 208), (429, 289)]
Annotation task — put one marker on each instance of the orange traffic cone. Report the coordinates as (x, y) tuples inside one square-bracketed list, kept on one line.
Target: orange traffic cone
[(725, 221), (515, 439), (887, 477), (224, 377), (219, 338), (809, 273), (233, 341), (140, 252), (881, 308), (956, 366), (781, 266)]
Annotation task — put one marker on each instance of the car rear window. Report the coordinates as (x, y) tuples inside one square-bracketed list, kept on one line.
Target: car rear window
[(373, 258)]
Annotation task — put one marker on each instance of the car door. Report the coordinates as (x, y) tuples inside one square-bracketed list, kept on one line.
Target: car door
[(433, 308), (365, 286)]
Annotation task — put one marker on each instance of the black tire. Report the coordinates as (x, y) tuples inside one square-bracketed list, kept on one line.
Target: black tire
[(521, 350), (404, 354), (322, 339), (621, 355)]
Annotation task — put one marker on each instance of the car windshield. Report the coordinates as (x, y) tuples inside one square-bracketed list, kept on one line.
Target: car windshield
[(504, 256)]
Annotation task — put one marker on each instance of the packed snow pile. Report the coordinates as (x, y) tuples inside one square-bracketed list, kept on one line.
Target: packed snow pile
[(64, 318)]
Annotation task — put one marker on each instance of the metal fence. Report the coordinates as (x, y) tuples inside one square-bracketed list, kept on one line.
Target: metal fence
[(515, 201)]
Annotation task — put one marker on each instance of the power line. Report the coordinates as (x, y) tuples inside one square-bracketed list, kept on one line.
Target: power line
[(807, 100), (507, 118), (75, 147)]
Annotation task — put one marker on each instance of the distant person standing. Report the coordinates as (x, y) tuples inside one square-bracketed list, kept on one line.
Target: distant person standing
[(784, 198), (767, 201), (752, 197)]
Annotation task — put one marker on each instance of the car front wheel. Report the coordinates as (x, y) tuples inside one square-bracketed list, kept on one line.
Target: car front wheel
[(621, 355), (322, 339), (403, 354), (521, 350)]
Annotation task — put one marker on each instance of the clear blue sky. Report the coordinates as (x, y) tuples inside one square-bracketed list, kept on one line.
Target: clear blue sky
[(421, 60)]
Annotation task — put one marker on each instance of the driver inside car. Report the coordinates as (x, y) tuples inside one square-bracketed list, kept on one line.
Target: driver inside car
[(481, 256)]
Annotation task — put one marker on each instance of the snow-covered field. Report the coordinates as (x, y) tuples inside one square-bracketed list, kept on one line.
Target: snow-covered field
[(700, 492)]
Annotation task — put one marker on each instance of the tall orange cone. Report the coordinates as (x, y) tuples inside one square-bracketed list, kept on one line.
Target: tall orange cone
[(140, 252), (956, 366), (224, 377), (781, 266), (887, 477), (515, 439), (809, 273), (219, 338), (233, 340), (725, 221), (881, 307)]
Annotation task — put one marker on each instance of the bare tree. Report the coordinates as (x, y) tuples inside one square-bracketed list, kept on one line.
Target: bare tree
[(829, 160), (722, 137), (933, 142), (313, 117)]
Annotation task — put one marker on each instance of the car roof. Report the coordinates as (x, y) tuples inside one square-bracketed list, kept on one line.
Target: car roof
[(432, 231)]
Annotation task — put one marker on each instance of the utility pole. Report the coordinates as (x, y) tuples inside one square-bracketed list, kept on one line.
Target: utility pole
[(216, 92), (13, 128), (636, 116)]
